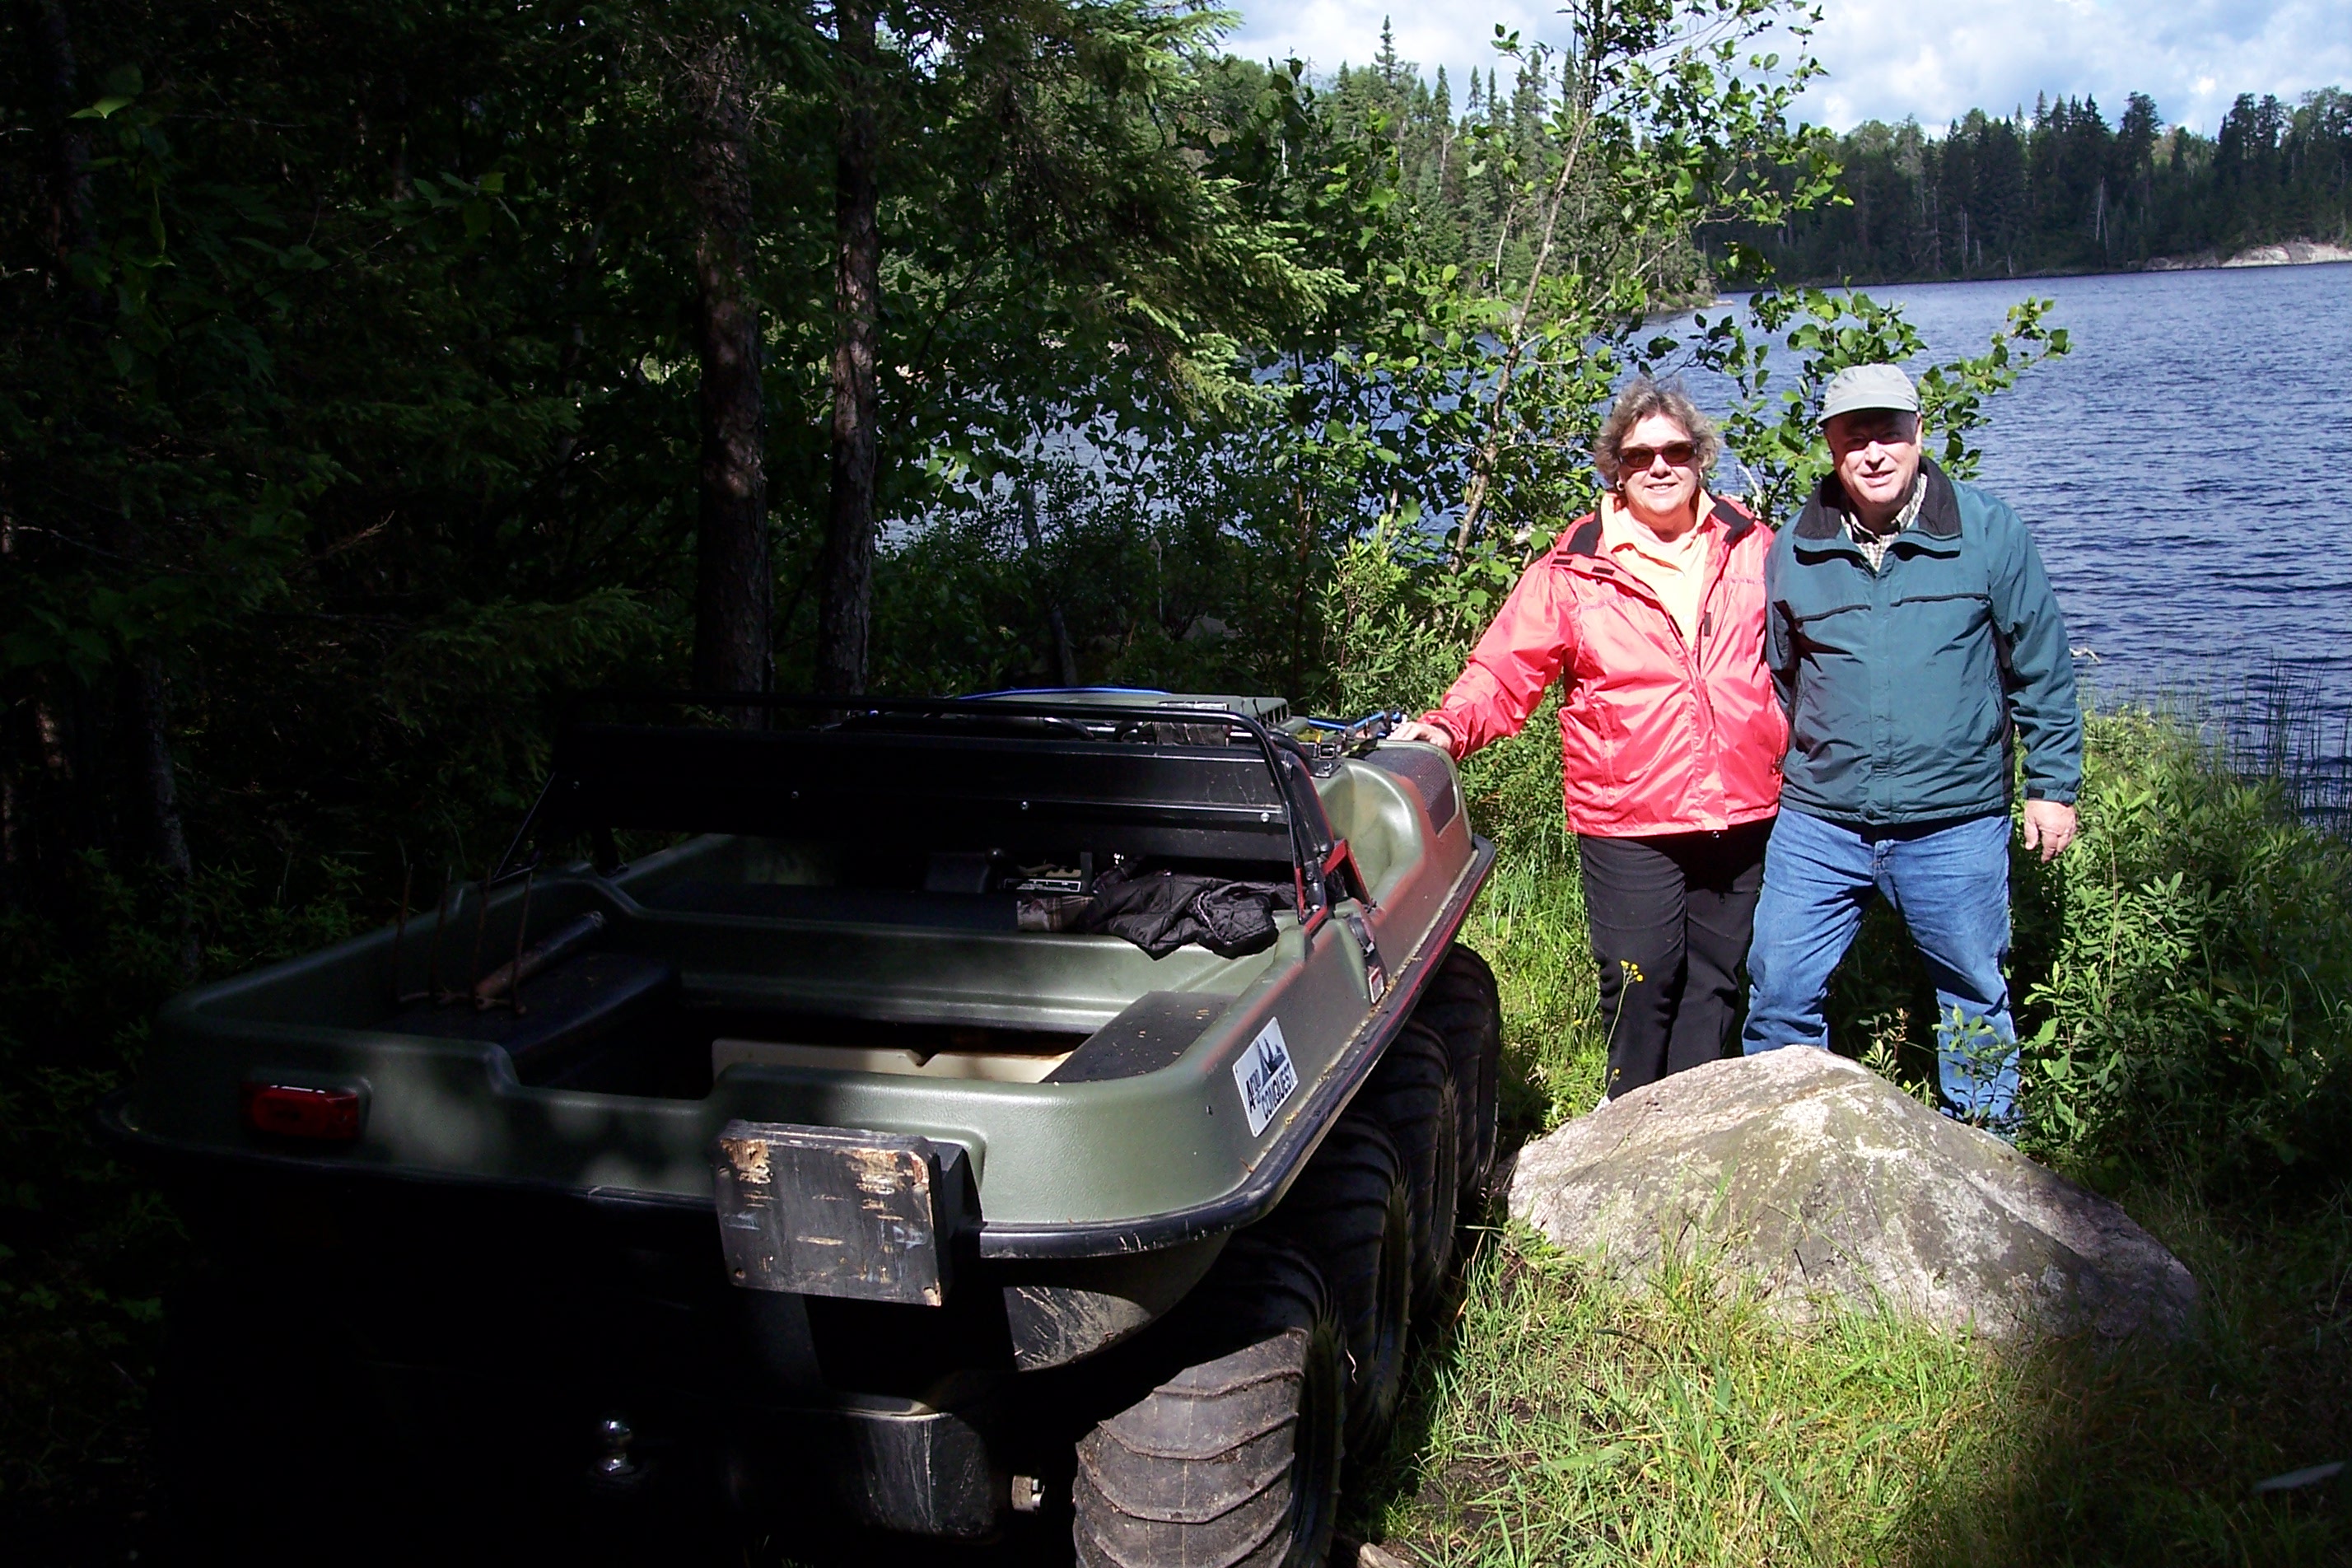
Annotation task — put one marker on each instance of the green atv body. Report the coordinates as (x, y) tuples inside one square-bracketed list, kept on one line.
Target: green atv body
[(804, 1155)]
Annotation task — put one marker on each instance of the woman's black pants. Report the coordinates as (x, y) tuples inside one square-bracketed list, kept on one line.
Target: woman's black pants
[(1670, 918)]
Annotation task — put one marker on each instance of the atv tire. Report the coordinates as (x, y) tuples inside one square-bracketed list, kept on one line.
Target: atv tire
[(1413, 1096), (1348, 1212), (1235, 1459), (1463, 1008)]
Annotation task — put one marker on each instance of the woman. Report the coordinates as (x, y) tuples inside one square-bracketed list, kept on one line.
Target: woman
[(1650, 612)]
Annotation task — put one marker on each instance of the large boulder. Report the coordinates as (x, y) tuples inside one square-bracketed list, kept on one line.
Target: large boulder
[(1827, 1184)]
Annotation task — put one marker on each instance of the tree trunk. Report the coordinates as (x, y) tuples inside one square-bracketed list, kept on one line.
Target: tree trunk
[(1065, 656), (146, 724), (68, 176), (144, 694), (732, 586), (845, 590), (1483, 462), (143, 711)]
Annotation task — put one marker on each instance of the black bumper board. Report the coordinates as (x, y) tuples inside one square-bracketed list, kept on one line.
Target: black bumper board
[(1246, 1203), (820, 1211)]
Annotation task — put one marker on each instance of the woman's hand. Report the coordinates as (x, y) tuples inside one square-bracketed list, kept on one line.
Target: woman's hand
[(1430, 734)]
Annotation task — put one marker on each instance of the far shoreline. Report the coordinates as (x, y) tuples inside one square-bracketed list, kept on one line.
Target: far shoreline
[(2252, 258)]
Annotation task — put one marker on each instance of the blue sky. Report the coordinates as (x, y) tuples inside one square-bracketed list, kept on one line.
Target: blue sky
[(1932, 58)]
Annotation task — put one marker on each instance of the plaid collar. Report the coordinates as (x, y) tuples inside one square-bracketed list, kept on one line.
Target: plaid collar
[(1903, 519), (1823, 517)]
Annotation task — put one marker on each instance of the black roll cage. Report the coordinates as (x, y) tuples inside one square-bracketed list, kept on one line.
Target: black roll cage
[(1317, 858)]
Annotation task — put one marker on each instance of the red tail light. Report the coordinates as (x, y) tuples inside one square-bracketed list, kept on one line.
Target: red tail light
[(289, 1110)]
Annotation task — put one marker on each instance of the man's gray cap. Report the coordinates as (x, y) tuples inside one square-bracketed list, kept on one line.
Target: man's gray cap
[(1869, 386)]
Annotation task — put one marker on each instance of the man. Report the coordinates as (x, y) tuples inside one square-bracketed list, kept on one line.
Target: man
[(1914, 642)]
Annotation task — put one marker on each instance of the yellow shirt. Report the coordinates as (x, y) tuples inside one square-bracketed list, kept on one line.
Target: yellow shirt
[(1675, 570)]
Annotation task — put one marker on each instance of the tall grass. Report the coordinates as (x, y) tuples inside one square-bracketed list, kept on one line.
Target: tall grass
[(2274, 725), (1560, 1418)]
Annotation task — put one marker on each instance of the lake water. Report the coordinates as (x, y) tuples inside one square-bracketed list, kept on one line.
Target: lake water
[(2182, 470)]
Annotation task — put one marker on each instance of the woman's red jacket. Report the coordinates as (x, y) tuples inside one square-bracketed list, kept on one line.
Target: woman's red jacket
[(1657, 735)]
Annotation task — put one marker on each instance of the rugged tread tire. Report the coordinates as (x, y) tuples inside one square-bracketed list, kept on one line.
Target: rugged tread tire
[(1463, 1008), (1411, 1094), (1234, 1460), (1348, 1212)]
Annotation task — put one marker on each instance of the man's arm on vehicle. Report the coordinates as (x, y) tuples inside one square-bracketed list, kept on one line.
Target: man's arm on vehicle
[(2041, 699), (1519, 656)]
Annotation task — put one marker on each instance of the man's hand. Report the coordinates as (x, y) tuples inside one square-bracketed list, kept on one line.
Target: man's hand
[(2049, 828), (1414, 729)]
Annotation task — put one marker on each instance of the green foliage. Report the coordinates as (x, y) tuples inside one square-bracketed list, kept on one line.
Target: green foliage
[(1775, 434), (2183, 984), (2196, 1007), (1144, 591), (1387, 647), (1502, 262), (87, 1249)]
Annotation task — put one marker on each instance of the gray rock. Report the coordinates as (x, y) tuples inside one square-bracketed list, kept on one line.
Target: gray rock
[(1829, 1184), (2293, 253)]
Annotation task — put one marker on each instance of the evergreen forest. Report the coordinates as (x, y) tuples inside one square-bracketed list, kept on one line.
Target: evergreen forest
[(2063, 191), (2058, 189)]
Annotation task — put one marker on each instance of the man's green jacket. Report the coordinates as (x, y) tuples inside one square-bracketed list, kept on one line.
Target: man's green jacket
[(1902, 685)]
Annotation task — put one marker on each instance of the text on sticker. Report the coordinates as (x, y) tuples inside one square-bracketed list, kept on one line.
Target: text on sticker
[(1266, 1077)]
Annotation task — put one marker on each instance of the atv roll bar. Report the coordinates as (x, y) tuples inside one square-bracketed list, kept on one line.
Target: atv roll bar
[(1315, 856)]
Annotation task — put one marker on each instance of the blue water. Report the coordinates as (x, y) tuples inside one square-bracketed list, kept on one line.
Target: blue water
[(2183, 470)]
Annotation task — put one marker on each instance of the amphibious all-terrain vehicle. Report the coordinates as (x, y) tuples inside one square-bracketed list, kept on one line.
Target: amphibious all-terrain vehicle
[(849, 1141)]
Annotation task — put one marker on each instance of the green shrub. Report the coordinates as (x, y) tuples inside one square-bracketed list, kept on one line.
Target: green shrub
[(2195, 999), (2184, 973)]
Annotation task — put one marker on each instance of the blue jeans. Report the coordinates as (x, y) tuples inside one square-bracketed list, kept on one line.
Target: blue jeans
[(1949, 881)]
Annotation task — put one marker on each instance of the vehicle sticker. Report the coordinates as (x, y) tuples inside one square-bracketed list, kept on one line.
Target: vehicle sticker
[(1264, 1075)]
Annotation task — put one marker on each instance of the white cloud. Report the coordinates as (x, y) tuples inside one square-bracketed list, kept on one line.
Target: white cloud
[(1329, 34), (1935, 59)]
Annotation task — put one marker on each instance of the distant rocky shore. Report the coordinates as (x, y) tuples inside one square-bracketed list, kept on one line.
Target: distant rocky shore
[(2288, 253), (2293, 253)]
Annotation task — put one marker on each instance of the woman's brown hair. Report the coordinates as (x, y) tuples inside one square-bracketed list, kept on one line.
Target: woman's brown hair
[(1642, 398)]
